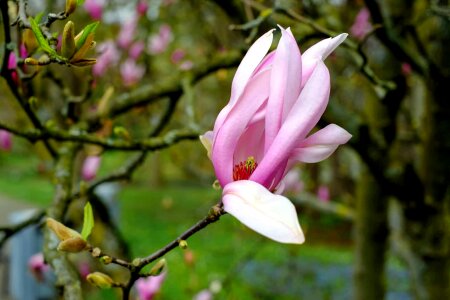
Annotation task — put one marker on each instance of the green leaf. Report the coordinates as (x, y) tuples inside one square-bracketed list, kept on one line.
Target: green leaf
[(42, 41), (88, 222), (80, 2), (85, 33)]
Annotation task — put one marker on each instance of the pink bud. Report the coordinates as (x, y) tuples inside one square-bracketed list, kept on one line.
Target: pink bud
[(37, 266), (94, 8), (90, 167), (323, 193), (361, 25), (5, 140), (186, 65), (406, 69), (142, 7), (204, 295), (109, 55)]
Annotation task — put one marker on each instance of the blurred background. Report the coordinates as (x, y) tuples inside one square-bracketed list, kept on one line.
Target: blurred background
[(375, 214)]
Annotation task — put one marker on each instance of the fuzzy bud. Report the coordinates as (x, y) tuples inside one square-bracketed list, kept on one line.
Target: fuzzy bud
[(100, 280), (106, 259), (74, 245), (183, 244), (62, 232), (31, 61)]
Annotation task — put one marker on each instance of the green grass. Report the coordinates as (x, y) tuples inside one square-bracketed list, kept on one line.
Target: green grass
[(153, 216)]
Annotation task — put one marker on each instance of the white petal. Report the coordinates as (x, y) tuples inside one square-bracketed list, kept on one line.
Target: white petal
[(207, 140), (273, 216)]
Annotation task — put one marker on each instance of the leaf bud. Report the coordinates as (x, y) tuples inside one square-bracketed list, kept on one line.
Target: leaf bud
[(183, 244), (31, 61), (68, 40), (71, 5), (74, 245), (100, 280), (106, 259), (62, 232), (158, 267)]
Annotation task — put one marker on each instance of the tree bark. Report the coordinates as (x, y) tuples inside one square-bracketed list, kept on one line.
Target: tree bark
[(370, 240)]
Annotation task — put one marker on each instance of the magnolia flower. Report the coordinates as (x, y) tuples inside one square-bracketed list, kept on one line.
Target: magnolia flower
[(5, 140), (90, 167), (148, 287), (94, 8), (361, 25), (136, 50), (127, 32), (131, 72), (159, 42), (109, 56), (276, 100)]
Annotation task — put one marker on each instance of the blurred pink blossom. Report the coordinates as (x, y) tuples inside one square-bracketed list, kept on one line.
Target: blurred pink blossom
[(142, 7), (136, 49), (127, 33), (5, 140), (109, 55), (158, 43), (323, 193), (12, 66), (131, 72), (406, 69), (23, 51), (186, 65), (293, 183), (90, 167), (94, 8), (361, 26), (148, 287), (203, 295), (177, 56), (84, 269), (37, 266)]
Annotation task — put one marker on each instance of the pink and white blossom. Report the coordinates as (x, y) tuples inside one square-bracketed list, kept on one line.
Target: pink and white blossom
[(158, 43), (361, 26), (148, 287), (131, 72), (323, 193), (37, 266), (127, 33), (136, 49), (90, 167), (276, 100), (109, 56)]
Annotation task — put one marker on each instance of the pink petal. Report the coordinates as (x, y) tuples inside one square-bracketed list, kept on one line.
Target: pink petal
[(318, 52), (303, 116), (321, 144), (270, 215), (247, 67), (284, 84), (227, 136), (251, 143)]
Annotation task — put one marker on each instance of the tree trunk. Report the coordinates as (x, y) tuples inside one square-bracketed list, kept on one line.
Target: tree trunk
[(370, 240)]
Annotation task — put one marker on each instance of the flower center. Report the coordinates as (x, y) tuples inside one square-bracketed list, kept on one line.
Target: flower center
[(244, 169)]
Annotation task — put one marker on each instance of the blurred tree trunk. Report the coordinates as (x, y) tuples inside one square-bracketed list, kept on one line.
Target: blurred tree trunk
[(370, 239)]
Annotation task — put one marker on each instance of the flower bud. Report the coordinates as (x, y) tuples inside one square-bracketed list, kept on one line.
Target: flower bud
[(71, 5), (74, 245), (68, 40), (62, 232), (106, 259), (183, 244), (31, 61), (5, 140), (158, 267), (100, 280)]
